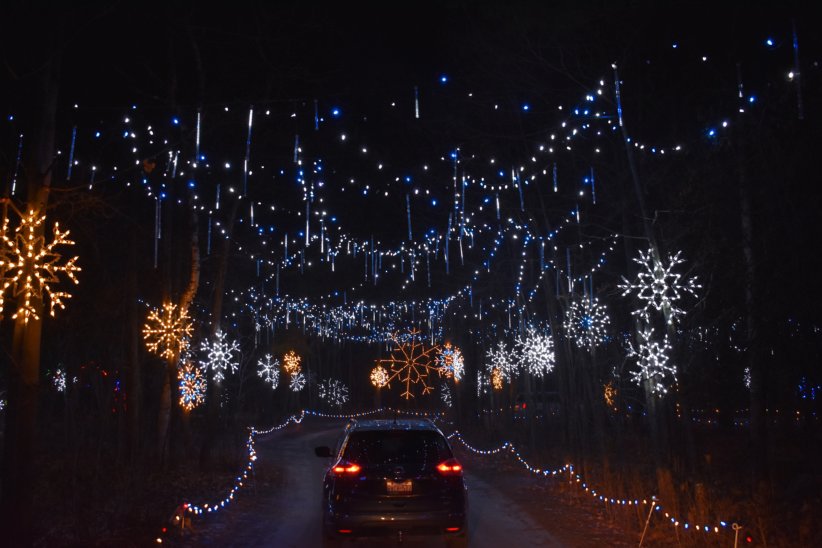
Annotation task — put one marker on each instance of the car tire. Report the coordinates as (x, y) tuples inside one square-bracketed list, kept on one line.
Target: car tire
[(331, 542), (457, 541)]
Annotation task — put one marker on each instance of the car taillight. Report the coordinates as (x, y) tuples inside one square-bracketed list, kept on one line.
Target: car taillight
[(450, 467), (344, 468)]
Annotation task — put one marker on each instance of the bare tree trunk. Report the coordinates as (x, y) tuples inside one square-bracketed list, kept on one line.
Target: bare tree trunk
[(16, 510), (758, 429), (134, 388)]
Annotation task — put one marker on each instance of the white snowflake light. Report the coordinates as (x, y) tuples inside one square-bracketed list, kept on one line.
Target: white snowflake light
[(297, 382), (269, 371), (2, 404), (219, 356), (501, 359), (445, 394), (535, 353), (450, 362), (59, 380), (586, 321), (652, 358), (746, 378), (333, 392), (657, 286)]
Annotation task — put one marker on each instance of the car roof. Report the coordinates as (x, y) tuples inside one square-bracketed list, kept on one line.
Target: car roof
[(392, 424)]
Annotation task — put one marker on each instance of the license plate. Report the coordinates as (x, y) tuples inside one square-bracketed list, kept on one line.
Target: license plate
[(398, 488)]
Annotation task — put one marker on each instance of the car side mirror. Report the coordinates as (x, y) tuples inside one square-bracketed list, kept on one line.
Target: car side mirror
[(323, 451)]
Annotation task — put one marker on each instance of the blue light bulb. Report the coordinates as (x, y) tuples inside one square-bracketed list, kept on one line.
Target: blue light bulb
[(175, 121), (769, 42), (526, 107), (335, 112), (443, 79)]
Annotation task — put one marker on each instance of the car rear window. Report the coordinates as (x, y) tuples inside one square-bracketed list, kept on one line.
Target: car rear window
[(376, 447)]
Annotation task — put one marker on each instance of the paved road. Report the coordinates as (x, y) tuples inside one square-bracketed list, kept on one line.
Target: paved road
[(289, 515)]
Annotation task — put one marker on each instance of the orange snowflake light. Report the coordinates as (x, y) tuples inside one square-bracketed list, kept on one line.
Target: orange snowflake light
[(167, 331), (291, 363), (30, 266), (496, 378), (379, 377), (410, 363), (610, 394)]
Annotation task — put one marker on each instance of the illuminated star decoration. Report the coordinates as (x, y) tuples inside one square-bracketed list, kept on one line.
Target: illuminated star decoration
[(333, 392), (450, 362), (297, 382), (219, 356), (192, 386), (269, 371), (501, 360), (410, 363), (167, 331), (291, 363), (535, 353), (586, 321), (379, 377), (30, 266), (652, 358), (59, 380), (658, 286)]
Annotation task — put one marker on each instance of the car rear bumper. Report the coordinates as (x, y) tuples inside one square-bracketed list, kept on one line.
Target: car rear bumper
[(372, 524)]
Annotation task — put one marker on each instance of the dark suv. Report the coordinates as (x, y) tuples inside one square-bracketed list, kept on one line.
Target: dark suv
[(393, 477)]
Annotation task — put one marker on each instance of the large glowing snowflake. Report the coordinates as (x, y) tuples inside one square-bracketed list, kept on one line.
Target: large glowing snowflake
[(450, 362), (501, 359), (291, 363), (535, 353), (586, 321), (658, 286), (30, 266), (269, 371), (219, 356), (652, 358), (167, 331), (192, 384), (410, 363), (297, 382), (333, 392)]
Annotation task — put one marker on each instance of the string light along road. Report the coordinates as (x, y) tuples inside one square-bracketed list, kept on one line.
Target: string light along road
[(286, 509)]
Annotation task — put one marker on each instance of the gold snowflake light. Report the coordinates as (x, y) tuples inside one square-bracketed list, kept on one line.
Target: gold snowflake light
[(30, 266), (410, 363), (167, 331), (496, 378), (291, 363), (379, 377)]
